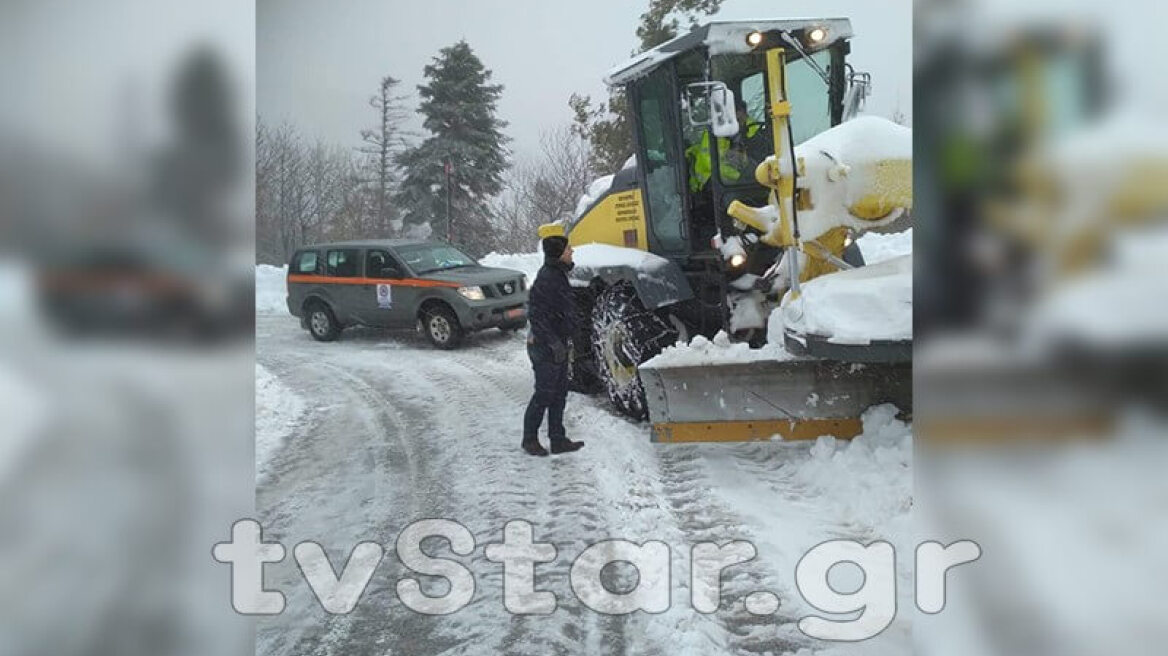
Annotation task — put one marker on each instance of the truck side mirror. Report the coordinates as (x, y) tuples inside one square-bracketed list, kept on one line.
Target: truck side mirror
[(711, 104)]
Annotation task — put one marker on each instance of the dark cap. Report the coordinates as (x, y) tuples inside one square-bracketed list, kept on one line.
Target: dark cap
[(554, 246)]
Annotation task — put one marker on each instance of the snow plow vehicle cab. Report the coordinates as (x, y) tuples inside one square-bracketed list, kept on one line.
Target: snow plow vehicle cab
[(718, 219)]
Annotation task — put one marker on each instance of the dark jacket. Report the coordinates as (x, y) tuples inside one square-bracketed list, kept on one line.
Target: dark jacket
[(551, 309)]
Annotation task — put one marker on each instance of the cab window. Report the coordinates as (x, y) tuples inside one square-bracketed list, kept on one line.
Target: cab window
[(656, 98), (380, 264), (810, 99), (754, 95), (342, 263), (305, 263)]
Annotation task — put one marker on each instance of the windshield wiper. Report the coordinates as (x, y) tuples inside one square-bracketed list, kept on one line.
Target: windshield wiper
[(456, 266)]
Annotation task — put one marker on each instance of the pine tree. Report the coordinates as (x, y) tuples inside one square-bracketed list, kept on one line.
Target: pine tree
[(459, 105)]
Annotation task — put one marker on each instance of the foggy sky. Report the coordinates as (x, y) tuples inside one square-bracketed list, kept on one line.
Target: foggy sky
[(317, 63)]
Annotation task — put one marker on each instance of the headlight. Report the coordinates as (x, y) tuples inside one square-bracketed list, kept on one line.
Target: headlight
[(471, 293), (737, 260)]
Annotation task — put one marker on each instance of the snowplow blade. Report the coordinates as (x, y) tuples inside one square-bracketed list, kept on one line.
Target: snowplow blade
[(800, 399)]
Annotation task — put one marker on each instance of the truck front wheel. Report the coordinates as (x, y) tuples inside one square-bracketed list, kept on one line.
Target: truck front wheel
[(624, 335)]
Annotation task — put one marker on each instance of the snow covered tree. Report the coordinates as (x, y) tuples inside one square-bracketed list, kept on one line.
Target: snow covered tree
[(542, 189), (607, 126), (660, 22), (607, 130), (465, 139)]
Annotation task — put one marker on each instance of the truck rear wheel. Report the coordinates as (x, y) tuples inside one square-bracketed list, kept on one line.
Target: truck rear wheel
[(322, 324), (624, 335)]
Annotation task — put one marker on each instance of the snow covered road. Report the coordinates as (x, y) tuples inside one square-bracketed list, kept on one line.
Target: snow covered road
[(387, 430)]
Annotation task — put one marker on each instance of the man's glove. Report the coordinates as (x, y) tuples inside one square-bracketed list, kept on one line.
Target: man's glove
[(559, 352)]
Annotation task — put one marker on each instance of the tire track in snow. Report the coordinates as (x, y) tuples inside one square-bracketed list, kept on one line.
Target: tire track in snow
[(459, 414), (557, 497), (703, 519), (403, 489)]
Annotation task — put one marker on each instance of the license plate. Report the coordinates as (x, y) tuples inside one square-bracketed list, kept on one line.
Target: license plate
[(513, 314)]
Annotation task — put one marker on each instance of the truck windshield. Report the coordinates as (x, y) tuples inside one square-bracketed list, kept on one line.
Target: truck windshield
[(745, 74), (427, 258)]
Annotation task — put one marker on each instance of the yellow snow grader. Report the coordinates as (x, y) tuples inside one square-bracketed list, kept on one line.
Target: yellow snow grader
[(751, 178)]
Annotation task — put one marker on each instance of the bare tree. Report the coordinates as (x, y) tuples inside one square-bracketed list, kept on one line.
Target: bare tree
[(382, 144), (542, 191), (562, 177), (307, 192)]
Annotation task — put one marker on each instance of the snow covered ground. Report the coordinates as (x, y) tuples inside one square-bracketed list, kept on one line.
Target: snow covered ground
[(25, 408), (278, 409), (367, 434)]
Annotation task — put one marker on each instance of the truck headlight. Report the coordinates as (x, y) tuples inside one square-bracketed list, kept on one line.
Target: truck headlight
[(737, 260), (471, 293)]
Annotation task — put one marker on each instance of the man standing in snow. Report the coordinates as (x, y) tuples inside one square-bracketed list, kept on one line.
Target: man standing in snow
[(552, 316)]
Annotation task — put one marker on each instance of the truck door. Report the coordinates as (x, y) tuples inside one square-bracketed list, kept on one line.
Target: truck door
[(659, 146), (385, 301), (342, 269)]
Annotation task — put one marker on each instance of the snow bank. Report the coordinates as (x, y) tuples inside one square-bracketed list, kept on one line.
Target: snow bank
[(878, 247), (595, 190), (852, 307), (597, 256), (800, 494), (720, 350), (277, 412), (528, 263), (868, 478), (271, 289)]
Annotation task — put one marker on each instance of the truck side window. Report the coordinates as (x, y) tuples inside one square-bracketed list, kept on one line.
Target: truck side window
[(342, 263), (306, 262), (380, 264)]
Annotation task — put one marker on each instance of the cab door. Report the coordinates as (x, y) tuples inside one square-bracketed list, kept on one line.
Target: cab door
[(662, 165), (385, 298)]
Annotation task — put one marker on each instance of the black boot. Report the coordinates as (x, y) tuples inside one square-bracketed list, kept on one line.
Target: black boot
[(533, 447), (564, 445)]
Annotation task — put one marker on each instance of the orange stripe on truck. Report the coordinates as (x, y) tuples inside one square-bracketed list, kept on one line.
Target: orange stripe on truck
[(399, 282)]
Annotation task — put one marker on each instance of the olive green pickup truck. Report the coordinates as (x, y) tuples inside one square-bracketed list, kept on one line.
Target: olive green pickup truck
[(402, 284)]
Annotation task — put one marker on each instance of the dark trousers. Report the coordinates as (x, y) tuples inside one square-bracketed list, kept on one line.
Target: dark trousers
[(551, 393)]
